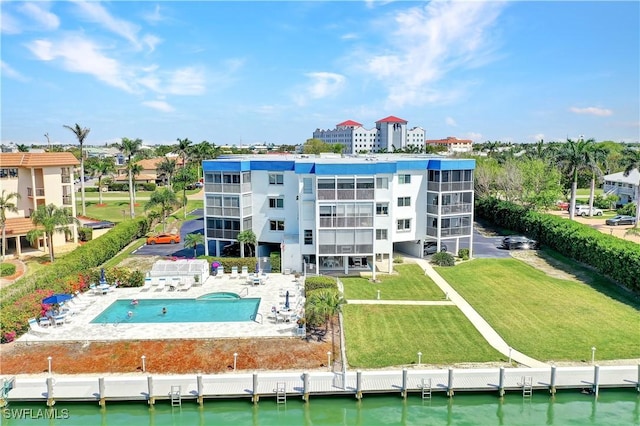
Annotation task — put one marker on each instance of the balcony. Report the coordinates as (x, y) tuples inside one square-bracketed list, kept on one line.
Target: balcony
[(66, 178), (227, 188), (451, 208), (463, 231), (222, 234), (66, 200), (340, 249), (449, 186), (39, 192)]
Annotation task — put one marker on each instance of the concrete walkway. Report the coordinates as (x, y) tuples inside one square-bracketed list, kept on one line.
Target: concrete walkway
[(478, 322)]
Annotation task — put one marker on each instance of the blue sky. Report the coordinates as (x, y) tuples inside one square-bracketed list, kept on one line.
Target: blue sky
[(273, 72)]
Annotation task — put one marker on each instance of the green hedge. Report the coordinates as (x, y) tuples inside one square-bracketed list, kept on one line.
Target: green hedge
[(21, 300), (276, 261), (7, 269), (611, 256), (229, 262), (316, 282)]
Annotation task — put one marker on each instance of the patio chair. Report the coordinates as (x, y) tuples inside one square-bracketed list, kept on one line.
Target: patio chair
[(162, 282), (234, 272), (245, 272), (36, 328), (220, 272), (148, 283)]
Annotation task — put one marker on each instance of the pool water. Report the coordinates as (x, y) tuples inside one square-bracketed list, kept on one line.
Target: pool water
[(204, 309)]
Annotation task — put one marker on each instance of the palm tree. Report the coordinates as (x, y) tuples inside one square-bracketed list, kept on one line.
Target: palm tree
[(193, 240), (129, 148), (81, 133), (575, 155), (164, 198), (184, 177), (22, 148), (7, 204), (183, 150), (203, 151), (168, 167), (135, 170), (50, 219), (247, 237), (630, 162), (101, 168), (322, 305), (597, 156)]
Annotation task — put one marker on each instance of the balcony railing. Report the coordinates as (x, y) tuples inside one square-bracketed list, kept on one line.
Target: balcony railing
[(451, 208), (66, 200), (341, 249), (346, 222), (463, 231), (449, 186), (227, 188), (39, 192), (66, 178), (222, 234), (223, 211)]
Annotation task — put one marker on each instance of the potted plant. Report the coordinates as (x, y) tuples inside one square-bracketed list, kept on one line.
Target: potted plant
[(196, 278), (301, 322)]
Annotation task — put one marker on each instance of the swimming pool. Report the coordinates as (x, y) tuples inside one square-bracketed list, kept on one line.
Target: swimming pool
[(222, 307)]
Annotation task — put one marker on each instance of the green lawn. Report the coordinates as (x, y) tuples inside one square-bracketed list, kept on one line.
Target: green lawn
[(385, 335), (113, 211), (410, 284), (549, 318), (585, 192)]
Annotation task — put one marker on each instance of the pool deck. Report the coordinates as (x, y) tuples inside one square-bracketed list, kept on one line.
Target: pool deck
[(80, 328)]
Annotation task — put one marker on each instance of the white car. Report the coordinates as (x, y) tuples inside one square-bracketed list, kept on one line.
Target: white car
[(583, 210)]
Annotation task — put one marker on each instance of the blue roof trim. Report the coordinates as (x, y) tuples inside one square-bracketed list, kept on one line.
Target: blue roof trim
[(413, 164), (273, 166), (225, 166), (355, 169), (451, 164), (305, 168)]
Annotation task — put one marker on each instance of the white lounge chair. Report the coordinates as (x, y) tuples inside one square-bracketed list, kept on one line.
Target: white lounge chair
[(37, 329), (234, 272), (162, 282), (220, 272), (148, 283), (245, 272)]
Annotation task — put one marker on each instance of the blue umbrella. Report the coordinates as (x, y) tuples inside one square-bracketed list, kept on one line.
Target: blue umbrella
[(257, 267), (103, 278), (286, 300), (56, 299)]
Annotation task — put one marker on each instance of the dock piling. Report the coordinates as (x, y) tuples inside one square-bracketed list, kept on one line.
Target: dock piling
[(102, 400), (305, 384), (596, 380), (359, 384), (501, 383), (552, 384), (50, 401), (200, 389), (404, 382), (450, 383), (255, 396), (151, 399)]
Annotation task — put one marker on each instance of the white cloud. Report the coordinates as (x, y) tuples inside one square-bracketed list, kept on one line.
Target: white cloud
[(349, 36), (46, 20), (79, 54), (428, 43), (474, 136), (159, 105), (601, 112), (450, 122), (8, 71), (538, 137), (322, 85), (9, 24), (155, 16), (186, 81)]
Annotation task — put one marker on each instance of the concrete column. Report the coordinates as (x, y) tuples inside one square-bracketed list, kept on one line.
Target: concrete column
[(450, 383), (18, 247), (552, 384), (200, 389), (50, 401), (501, 383), (255, 397), (405, 374), (102, 401), (305, 386), (151, 399)]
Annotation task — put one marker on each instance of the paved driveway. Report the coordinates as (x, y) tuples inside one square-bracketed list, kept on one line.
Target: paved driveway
[(178, 250), (487, 247)]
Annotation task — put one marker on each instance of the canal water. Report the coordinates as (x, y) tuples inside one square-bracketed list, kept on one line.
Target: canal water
[(613, 407)]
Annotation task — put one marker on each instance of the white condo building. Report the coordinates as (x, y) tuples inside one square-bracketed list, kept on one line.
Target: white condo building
[(390, 134), (333, 213)]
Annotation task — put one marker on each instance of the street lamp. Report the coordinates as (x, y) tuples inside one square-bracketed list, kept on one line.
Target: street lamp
[(235, 360), (49, 362), (419, 358), (144, 367)]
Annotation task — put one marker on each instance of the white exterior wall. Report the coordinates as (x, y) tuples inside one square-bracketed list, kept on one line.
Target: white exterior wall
[(417, 191)]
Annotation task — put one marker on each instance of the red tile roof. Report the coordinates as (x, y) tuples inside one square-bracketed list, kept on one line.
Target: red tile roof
[(37, 159), (349, 123), (392, 119), (19, 226)]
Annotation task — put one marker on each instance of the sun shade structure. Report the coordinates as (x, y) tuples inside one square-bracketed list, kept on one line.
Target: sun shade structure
[(181, 268), (56, 299)]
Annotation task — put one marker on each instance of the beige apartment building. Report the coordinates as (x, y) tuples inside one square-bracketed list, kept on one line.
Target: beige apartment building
[(40, 179)]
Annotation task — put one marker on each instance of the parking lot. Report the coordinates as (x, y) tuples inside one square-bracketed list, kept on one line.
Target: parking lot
[(177, 250)]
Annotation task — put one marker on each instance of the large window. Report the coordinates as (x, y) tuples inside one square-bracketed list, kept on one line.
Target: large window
[(276, 203), (404, 201), (276, 179), (276, 225), (382, 209), (308, 236), (307, 186), (404, 224), (404, 179), (381, 234), (382, 183)]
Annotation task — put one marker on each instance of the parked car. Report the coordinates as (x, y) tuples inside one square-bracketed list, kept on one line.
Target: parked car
[(583, 210), (430, 247), (621, 220), (563, 205), (164, 239), (518, 242)]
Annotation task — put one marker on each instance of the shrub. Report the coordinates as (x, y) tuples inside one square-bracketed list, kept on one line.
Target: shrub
[(443, 258), (148, 186), (463, 254), (628, 209), (317, 282), (276, 265), (398, 259), (119, 187), (91, 189), (85, 234), (7, 269)]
